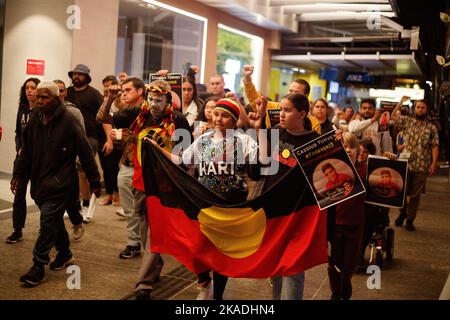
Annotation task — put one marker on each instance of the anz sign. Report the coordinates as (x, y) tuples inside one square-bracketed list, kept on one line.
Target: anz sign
[(359, 77)]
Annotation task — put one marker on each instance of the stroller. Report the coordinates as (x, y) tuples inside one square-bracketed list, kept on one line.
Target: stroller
[(382, 241), (378, 236)]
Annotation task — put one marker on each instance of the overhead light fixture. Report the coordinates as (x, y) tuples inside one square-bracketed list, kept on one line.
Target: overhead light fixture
[(341, 39), (259, 17)]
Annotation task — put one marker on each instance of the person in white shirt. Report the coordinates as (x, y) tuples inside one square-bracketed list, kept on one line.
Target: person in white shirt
[(365, 125)]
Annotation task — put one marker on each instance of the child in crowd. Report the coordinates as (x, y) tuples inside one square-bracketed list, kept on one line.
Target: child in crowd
[(345, 231), (221, 162), (206, 122)]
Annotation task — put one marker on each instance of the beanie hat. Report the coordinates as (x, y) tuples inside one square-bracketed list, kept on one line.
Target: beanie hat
[(229, 106), (50, 86)]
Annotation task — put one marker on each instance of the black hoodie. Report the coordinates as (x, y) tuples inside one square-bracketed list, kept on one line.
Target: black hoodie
[(48, 156)]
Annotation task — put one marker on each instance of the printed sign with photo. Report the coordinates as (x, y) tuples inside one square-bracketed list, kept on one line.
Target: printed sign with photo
[(386, 182), (329, 171), (383, 123), (274, 117), (176, 82)]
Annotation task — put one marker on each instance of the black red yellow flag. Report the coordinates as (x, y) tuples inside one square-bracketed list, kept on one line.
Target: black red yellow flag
[(281, 232)]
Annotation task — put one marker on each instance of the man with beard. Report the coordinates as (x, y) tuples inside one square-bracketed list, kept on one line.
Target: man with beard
[(367, 127), (422, 143), (88, 100), (52, 140)]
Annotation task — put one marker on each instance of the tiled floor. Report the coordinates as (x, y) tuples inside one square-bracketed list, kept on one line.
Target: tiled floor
[(419, 270)]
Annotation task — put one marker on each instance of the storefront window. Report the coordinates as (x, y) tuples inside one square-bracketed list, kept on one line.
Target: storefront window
[(154, 36), (234, 50)]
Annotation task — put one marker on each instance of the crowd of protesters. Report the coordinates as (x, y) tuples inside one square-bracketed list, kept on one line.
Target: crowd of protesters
[(60, 131)]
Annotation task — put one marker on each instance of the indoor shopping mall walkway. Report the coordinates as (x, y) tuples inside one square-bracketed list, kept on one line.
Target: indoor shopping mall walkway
[(419, 271)]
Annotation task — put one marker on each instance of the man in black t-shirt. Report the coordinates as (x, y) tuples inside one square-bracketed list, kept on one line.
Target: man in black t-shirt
[(88, 100)]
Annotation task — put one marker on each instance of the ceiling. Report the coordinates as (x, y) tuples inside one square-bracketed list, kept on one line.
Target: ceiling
[(345, 34), (376, 64)]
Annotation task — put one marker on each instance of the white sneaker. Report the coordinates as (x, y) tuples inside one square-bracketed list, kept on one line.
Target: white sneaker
[(84, 213), (78, 231), (206, 293), (120, 212)]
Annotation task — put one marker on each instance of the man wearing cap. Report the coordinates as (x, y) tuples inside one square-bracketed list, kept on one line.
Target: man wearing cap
[(52, 141), (88, 100)]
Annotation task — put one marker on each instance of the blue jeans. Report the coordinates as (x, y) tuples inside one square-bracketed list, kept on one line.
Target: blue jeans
[(52, 231), (288, 288)]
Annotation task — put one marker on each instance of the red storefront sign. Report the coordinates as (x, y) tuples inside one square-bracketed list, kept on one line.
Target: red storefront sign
[(35, 67)]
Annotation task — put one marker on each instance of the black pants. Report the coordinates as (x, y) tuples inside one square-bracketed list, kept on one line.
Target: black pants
[(345, 248), (73, 210), (110, 166), (19, 213), (52, 231), (220, 282)]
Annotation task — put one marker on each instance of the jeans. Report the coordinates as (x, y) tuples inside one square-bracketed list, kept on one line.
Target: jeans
[(288, 288), (52, 231), (124, 179)]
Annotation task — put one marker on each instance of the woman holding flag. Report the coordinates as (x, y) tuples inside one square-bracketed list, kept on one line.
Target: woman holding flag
[(295, 129)]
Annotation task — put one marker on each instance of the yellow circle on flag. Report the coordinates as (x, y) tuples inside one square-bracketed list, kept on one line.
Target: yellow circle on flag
[(236, 232)]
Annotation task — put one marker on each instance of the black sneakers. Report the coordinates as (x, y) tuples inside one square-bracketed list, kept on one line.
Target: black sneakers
[(15, 237), (34, 276), (130, 252), (401, 218), (61, 261), (409, 226), (143, 294)]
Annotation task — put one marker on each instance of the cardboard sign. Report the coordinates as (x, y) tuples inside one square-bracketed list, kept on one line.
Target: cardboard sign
[(176, 81), (329, 171), (386, 182), (35, 67)]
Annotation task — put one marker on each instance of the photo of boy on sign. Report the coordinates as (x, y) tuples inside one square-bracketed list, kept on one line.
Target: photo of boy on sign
[(329, 170), (337, 183), (381, 181), (386, 178)]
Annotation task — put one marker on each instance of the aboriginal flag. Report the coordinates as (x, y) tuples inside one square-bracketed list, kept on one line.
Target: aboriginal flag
[(281, 232)]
